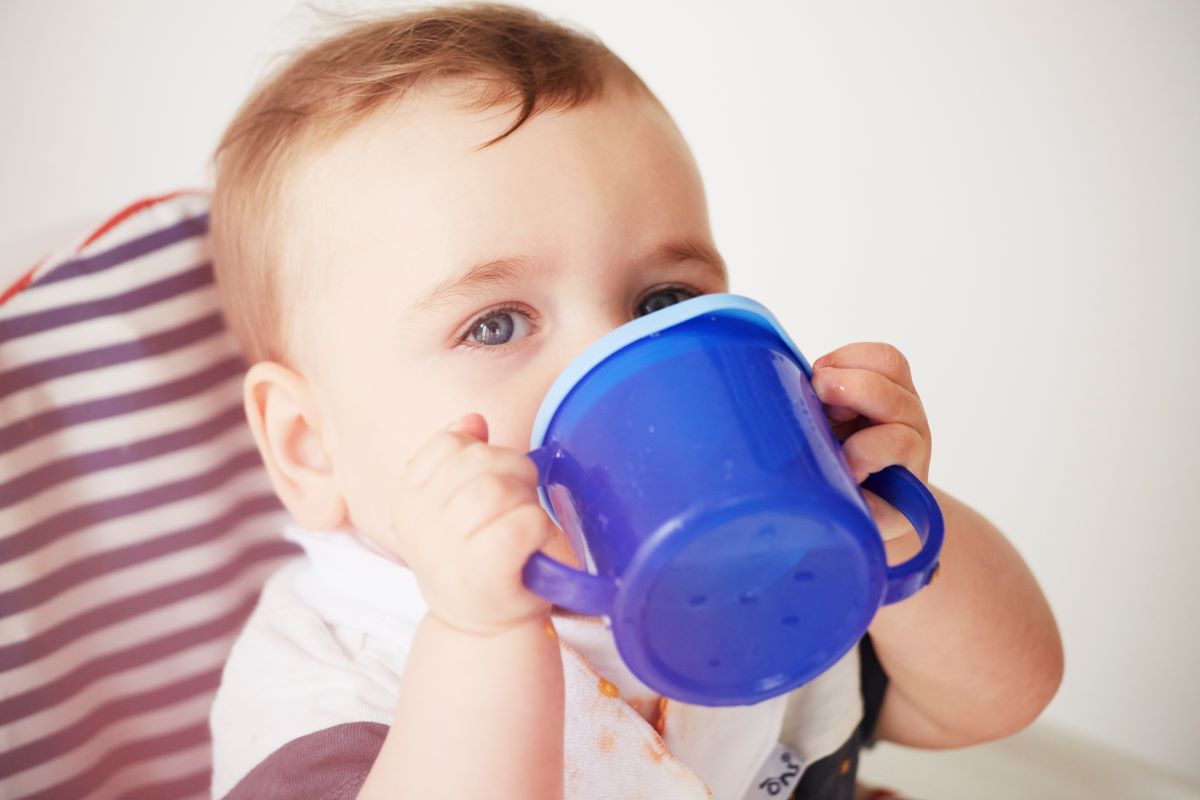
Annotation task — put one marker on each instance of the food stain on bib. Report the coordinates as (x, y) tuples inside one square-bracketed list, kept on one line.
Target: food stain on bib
[(609, 689), (606, 741), (660, 724)]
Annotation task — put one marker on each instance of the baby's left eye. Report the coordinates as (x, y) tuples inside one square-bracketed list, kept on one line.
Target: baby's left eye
[(498, 327), (661, 298)]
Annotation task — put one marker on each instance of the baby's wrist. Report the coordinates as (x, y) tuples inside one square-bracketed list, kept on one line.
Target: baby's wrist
[(534, 623)]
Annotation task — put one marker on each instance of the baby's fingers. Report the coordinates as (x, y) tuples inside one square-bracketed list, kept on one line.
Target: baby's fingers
[(870, 394), (475, 461), (879, 446), (839, 414), (879, 357), (437, 448), (483, 500), (493, 570), (513, 537)]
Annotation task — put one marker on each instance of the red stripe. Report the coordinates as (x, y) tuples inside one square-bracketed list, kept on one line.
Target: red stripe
[(112, 222), (21, 283), (129, 211)]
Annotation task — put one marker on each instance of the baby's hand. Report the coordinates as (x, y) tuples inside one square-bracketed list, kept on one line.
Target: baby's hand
[(466, 519), (869, 397)]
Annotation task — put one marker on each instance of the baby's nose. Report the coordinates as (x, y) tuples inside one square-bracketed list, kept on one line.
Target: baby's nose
[(597, 326), (565, 347), (571, 340)]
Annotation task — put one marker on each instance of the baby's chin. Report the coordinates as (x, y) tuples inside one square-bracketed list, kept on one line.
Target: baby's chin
[(372, 542)]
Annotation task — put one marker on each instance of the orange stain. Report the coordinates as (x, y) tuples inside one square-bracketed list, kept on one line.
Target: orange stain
[(609, 689), (655, 750), (660, 724), (844, 767), (606, 742), (553, 634)]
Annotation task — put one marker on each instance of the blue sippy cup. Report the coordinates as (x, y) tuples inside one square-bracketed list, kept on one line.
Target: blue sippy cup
[(689, 461)]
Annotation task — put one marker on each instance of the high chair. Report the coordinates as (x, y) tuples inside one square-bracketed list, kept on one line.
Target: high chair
[(137, 523)]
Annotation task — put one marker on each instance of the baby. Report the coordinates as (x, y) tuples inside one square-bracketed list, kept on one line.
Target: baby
[(417, 224)]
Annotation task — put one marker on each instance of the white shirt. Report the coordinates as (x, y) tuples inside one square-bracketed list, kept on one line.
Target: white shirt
[(327, 644)]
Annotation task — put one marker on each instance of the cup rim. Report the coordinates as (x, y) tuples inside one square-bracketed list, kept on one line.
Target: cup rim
[(641, 327)]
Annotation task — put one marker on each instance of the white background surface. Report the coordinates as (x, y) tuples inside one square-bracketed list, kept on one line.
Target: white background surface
[(1008, 192)]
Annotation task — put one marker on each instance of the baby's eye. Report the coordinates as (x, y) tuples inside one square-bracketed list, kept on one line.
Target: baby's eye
[(498, 327), (661, 298)]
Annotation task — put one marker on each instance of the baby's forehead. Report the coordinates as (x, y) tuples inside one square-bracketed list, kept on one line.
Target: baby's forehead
[(414, 187), (439, 133), (455, 118), (443, 113)]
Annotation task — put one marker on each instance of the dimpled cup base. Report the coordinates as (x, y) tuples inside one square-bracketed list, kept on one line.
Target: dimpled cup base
[(741, 596)]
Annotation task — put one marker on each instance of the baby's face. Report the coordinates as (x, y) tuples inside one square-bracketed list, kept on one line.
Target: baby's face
[(442, 280)]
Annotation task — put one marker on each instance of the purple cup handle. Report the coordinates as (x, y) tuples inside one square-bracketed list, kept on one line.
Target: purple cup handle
[(569, 588), (566, 587), (902, 489)]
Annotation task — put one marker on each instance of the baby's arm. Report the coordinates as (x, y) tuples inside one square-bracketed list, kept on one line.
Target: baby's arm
[(976, 654), (477, 716), (480, 706)]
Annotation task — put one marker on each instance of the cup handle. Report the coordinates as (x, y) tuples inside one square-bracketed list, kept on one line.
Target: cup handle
[(572, 589), (902, 489), (567, 587)]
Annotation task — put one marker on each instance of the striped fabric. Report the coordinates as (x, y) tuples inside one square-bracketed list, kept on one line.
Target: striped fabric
[(137, 523)]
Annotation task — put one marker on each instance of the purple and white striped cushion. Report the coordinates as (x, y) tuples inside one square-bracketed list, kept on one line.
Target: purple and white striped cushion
[(137, 523)]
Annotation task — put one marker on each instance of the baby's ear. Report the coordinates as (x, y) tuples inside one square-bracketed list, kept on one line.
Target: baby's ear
[(282, 413)]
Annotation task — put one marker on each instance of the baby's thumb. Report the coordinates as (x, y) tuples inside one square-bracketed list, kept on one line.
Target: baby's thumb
[(473, 425)]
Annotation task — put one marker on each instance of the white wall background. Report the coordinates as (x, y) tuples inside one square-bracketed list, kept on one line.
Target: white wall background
[(1007, 191)]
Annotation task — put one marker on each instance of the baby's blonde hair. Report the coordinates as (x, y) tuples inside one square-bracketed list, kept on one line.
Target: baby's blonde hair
[(511, 54)]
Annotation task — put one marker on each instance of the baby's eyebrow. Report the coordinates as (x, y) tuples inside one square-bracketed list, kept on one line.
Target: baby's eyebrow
[(477, 278), (501, 270)]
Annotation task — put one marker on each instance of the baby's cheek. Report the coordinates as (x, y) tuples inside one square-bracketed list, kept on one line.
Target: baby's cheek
[(368, 476)]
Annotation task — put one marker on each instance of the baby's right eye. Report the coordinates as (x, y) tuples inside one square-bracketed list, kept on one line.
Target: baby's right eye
[(498, 326)]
